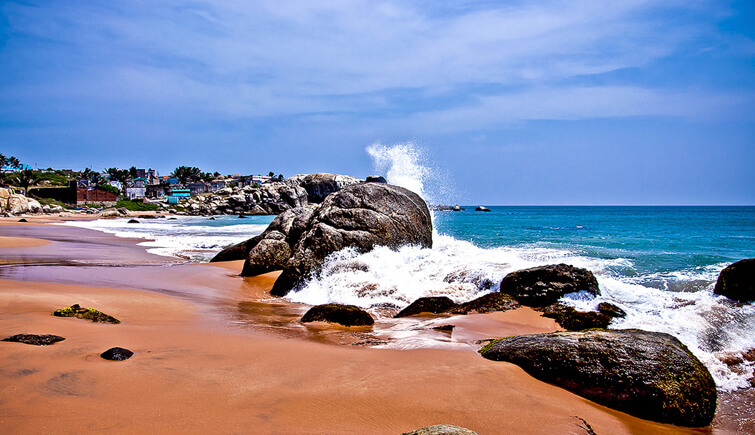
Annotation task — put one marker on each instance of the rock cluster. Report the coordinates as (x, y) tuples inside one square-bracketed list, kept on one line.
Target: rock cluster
[(650, 375), (14, 204), (359, 216), (442, 304), (270, 198)]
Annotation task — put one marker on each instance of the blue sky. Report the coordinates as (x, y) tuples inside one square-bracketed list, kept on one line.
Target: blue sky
[(516, 102)]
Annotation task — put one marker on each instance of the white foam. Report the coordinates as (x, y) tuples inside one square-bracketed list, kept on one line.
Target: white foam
[(184, 237), (403, 165)]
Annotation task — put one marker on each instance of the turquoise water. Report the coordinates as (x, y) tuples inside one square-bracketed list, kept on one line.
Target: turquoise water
[(656, 239)]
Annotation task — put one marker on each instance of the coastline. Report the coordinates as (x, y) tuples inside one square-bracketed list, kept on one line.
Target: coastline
[(203, 343)]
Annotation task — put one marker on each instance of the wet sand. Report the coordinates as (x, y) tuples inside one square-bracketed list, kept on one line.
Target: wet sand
[(215, 353)]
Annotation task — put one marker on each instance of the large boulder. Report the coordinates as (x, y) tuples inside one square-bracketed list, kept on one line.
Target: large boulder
[(359, 216), (346, 315), (320, 185), (737, 281), (278, 230), (544, 285), (650, 375), (14, 203)]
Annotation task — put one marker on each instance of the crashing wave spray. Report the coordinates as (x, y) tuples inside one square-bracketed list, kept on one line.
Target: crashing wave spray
[(402, 164)]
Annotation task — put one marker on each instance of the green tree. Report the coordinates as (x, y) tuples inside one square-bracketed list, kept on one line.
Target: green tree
[(120, 175), (13, 162), (24, 179), (186, 174)]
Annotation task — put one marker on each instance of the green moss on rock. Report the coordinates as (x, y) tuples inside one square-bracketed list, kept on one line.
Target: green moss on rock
[(85, 313)]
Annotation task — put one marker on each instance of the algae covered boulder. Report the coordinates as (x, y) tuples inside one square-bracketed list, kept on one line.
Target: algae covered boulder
[(346, 315), (544, 285), (433, 305), (85, 313), (573, 320), (737, 281), (650, 375)]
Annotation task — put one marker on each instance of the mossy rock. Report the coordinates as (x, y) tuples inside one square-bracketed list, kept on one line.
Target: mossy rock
[(650, 375), (34, 339), (85, 313)]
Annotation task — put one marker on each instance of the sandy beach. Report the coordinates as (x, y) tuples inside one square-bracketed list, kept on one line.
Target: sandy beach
[(215, 353)]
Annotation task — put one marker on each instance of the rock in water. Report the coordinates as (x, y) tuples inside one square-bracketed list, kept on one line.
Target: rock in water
[(611, 310), (482, 208), (359, 216), (117, 354), (441, 429), (346, 315), (433, 305), (573, 320), (544, 285), (650, 375), (737, 281), (486, 304), (36, 340)]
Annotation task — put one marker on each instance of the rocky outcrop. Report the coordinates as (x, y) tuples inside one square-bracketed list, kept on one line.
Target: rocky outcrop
[(650, 375), (320, 185), (544, 285), (36, 340), (15, 204), (376, 179), (269, 198), (737, 281), (360, 216), (346, 315), (610, 309), (486, 304), (441, 429), (433, 305), (482, 208), (117, 354)]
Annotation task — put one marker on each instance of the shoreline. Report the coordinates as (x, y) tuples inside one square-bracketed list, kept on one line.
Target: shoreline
[(209, 343)]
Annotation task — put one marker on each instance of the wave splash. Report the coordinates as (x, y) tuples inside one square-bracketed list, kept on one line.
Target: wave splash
[(680, 302)]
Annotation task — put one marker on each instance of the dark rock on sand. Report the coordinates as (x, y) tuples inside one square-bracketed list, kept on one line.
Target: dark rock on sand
[(117, 354), (268, 255), (22, 220), (486, 304), (359, 216), (737, 281), (573, 320), (481, 208), (346, 315), (36, 340), (650, 375), (132, 221), (610, 309), (85, 313), (435, 305), (444, 328), (441, 429), (544, 285)]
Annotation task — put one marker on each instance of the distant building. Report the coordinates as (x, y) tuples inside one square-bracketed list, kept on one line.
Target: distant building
[(77, 194), (260, 179), (133, 193), (216, 185), (177, 194), (197, 188), (154, 191)]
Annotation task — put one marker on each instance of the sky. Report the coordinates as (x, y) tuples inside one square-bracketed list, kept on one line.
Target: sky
[(509, 102)]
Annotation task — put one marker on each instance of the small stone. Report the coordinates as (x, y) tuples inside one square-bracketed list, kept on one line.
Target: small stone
[(445, 328), (346, 315), (36, 340), (132, 221), (117, 354), (441, 429)]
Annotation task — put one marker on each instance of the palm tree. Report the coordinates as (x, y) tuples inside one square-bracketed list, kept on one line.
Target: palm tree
[(120, 175), (186, 174), (13, 162), (3, 160), (25, 178)]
